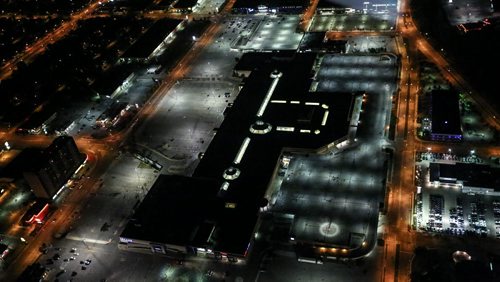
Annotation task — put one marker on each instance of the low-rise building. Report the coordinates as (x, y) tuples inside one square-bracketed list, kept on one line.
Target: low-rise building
[(471, 178), (215, 212), (445, 113)]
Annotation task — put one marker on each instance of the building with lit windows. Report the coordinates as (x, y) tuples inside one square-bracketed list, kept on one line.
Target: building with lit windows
[(48, 174), (46, 171)]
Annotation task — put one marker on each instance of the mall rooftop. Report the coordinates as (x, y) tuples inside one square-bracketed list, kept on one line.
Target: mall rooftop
[(273, 111)]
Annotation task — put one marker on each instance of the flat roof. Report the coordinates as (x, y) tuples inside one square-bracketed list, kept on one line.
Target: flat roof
[(445, 112), (173, 209), (316, 41), (269, 114), (286, 109), (333, 200), (472, 175)]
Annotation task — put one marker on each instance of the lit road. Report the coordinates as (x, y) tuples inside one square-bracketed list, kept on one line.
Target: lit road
[(27, 17), (308, 15), (400, 239), (99, 157), (39, 46), (100, 154), (178, 72)]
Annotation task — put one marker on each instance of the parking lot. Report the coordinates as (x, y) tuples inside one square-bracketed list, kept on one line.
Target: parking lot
[(446, 209), (286, 268), (370, 44), (373, 74), (333, 196), (271, 33), (188, 116), (353, 22), (184, 123), (123, 185), (449, 211), (94, 262), (98, 225)]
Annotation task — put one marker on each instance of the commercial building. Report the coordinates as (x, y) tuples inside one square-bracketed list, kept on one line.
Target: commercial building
[(296, 145), (445, 116), (47, 175), (215, 212), (46, 170), (183, 215), (36, 213), (471, 178)]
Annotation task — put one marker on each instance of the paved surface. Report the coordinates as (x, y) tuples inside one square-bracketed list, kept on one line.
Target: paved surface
[(337, 194), (332, 196), (467, 11), (366, 44), (372, 74), (477, 213), (106, 213), (354, 22), (273, 33), (283, 268), (184, 122)]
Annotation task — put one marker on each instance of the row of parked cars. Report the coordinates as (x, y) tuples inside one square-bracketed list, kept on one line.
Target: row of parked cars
[(496, 214), (436, 207)]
